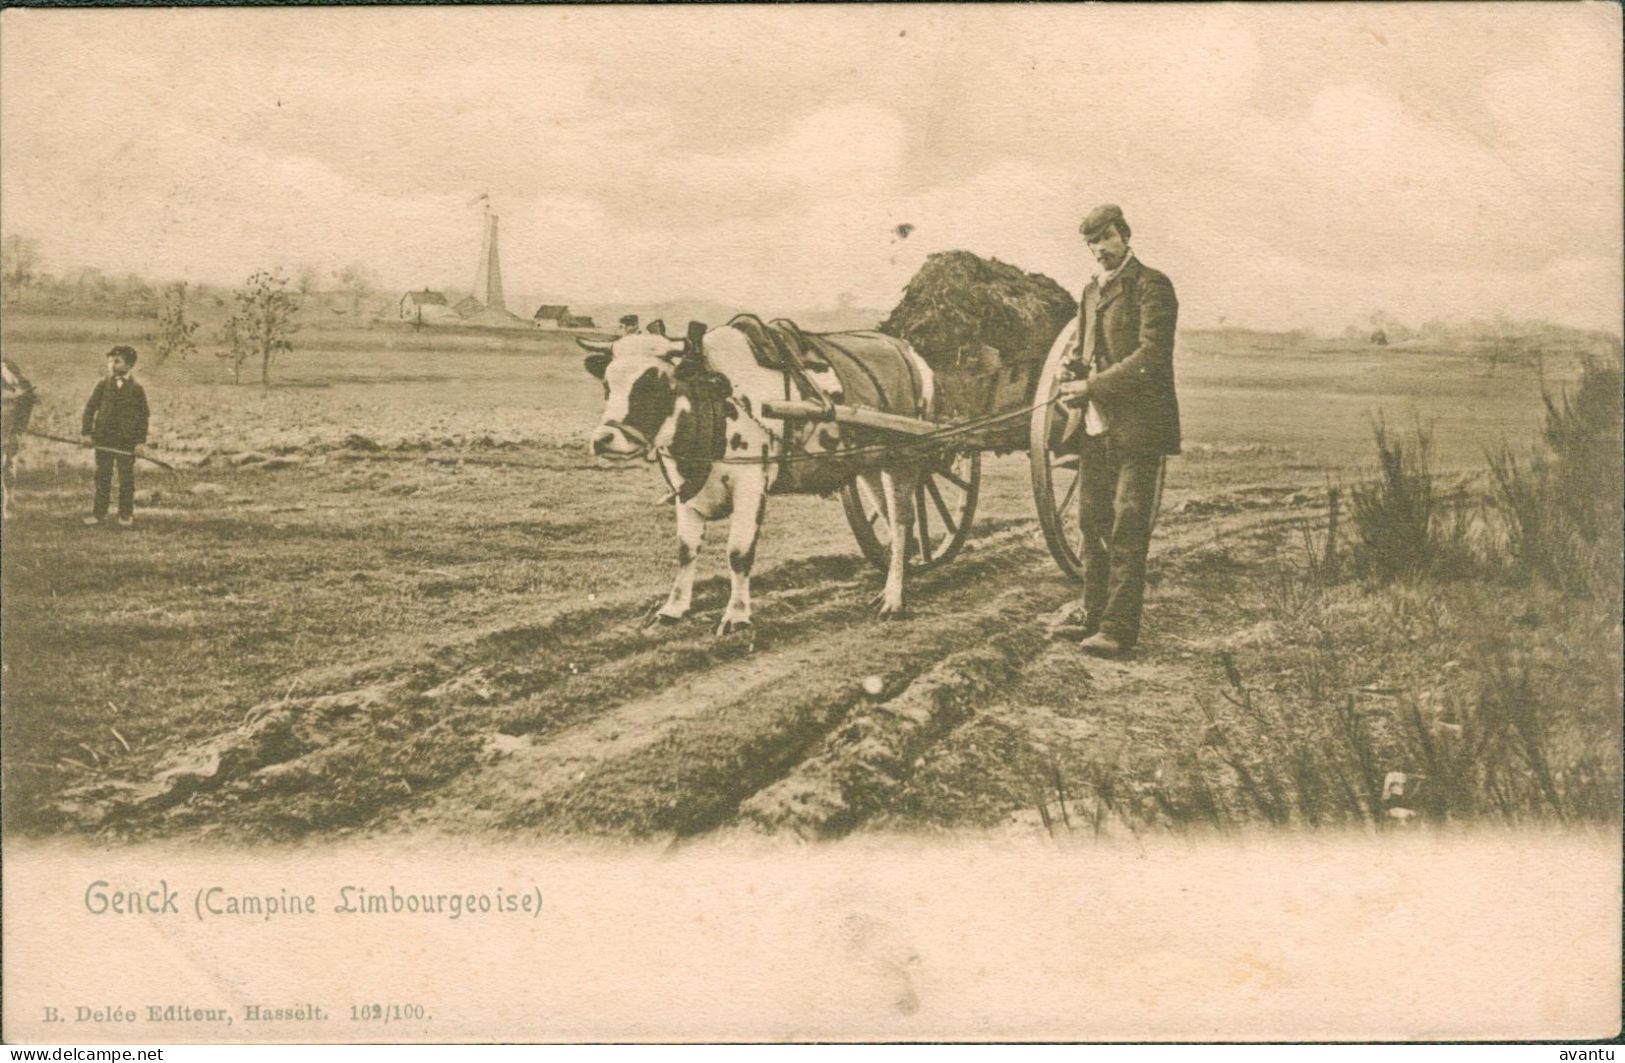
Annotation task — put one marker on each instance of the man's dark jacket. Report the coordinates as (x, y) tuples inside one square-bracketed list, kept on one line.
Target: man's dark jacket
[(115, 416), (1127, 333)]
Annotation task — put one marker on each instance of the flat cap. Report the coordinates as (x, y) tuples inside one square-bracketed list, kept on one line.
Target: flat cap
[(1100, 219), (124, 352)]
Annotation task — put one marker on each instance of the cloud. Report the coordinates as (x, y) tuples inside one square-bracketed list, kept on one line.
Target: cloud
[(1291, 168)]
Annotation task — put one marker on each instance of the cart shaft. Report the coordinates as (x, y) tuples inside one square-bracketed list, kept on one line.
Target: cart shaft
[(795, 410)]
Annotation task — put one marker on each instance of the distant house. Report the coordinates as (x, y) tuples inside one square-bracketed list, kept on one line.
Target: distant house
[(468, 307), (572, 321), (551, 317), (412, 303)]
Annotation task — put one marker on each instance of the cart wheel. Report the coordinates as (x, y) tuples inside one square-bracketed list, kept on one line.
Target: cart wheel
[(944, 505), (1057, 473)]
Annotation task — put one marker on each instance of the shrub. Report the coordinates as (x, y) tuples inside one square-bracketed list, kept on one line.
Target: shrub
[(176, 330), (1562, 508), (1498, 750), (1405, 527)]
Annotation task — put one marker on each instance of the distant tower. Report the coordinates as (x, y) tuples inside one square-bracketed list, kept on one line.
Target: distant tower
[(488, 279)]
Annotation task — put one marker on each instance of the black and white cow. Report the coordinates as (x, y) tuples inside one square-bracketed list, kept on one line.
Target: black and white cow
[(650, 384), (16, 405)]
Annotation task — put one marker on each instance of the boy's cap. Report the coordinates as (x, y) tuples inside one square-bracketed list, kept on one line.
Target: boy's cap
[(121, 351)]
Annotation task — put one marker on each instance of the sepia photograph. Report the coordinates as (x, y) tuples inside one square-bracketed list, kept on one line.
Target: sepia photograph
[(848, 522)]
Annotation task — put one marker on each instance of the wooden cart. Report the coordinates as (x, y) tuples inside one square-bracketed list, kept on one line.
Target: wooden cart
[(945, 501)]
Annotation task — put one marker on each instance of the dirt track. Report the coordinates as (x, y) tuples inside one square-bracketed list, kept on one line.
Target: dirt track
[(438, 626), (583, 720)]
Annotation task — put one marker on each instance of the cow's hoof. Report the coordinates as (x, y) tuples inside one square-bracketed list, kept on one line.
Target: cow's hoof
[(661, 618), (734, 627), (890, 611)]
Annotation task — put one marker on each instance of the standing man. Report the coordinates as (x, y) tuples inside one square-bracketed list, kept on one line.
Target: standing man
[(115, 423), (1125, 358)]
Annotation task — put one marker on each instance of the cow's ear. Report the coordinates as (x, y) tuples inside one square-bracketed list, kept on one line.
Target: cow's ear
[(596, 346), (657, 326), (597, 363)]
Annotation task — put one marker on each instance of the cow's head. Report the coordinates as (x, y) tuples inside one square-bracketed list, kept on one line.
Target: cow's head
[(640, 392)]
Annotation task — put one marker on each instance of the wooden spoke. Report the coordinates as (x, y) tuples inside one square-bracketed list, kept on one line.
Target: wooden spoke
[(928, 542), (1071, 491), (872, 508), (942, 507), (920, 522)]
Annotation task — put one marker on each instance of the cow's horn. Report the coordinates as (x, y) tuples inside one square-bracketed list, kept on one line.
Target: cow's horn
[(596, 346)]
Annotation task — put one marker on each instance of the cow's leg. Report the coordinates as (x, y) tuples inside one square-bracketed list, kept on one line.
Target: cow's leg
[(873, 488), (750, 505), (8, 483), (690, 531), (897, 491)]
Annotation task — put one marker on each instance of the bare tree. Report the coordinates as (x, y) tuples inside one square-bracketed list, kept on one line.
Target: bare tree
[(356, 279), (19, 259), (234, 353), (134, 295), (261, 325), (92, 288)]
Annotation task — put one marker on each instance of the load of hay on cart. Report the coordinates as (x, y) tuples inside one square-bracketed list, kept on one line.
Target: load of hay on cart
[(998, 341)]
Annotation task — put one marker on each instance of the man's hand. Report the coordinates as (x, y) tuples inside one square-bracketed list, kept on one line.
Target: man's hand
[(87, 441), (1073, 392), (135, 449)]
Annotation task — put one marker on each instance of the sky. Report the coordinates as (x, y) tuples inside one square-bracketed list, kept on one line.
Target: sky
[(1296, 166)]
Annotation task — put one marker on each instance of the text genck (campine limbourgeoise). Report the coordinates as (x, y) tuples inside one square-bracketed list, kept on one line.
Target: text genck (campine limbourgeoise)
[(214, 901)]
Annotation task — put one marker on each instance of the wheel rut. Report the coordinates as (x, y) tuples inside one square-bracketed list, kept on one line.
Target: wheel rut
[(781, 738), (584, 720)]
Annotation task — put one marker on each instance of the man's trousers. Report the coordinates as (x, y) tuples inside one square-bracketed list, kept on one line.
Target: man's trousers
[(1118, 500)]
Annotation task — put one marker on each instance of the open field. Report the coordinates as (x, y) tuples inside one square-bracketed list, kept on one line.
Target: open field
[(393, 593)]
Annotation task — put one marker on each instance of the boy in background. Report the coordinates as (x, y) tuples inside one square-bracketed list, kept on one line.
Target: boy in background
[(115, 423)]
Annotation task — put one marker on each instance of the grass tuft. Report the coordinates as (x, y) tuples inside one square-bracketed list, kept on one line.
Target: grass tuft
[(1406, 527)]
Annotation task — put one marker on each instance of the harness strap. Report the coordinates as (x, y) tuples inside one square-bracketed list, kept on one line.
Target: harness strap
[(784, 343), (631, 433)]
